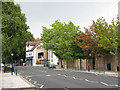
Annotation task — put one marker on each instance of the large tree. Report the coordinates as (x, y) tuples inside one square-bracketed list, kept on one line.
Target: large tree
[(101, 37), (60, 38), (107, 35), (14, 32)]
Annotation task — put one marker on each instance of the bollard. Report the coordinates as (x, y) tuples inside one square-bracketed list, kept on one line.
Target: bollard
[(11, 72)]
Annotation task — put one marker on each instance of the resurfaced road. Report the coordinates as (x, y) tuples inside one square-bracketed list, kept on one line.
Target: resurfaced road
[(43, 77)]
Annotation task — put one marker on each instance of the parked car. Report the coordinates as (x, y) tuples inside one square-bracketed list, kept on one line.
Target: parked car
[(52, 65), (8, 67)]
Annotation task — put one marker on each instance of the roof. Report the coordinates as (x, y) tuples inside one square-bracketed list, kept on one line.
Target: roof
[(34, 47), (31, 43)]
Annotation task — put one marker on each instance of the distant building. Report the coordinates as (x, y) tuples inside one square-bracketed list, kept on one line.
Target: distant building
[(31, 53), (37, 55)]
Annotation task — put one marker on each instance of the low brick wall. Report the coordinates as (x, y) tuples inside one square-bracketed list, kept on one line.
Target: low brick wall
[(99, 63)]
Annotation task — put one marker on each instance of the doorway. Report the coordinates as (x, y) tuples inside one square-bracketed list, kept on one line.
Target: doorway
[(93, 63)]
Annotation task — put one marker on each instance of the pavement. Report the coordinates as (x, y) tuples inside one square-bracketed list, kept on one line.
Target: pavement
[(13, 81)]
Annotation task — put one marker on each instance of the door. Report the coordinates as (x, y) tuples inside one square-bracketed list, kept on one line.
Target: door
[(94, 63)]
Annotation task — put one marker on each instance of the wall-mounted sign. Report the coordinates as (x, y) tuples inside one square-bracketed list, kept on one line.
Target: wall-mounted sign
[(29, 54)]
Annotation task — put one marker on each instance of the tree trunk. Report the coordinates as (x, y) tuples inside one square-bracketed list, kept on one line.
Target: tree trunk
[(67, 64)]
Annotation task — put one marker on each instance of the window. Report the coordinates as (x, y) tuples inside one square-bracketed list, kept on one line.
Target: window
[(51, 60), (40, 55)]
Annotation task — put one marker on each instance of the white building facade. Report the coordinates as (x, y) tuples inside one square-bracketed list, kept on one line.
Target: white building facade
[(53, 59)]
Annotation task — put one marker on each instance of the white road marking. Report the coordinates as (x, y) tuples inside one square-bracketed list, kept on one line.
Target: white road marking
[(48, 75), (108, 85), (58, 74), (114, 85), (29, 79), (104, 83), (74, 78), (41, 86), (91, 81), (45, 71), (65, 75), (35, 82)]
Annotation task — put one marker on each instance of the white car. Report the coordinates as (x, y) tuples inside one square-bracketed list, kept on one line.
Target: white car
[(52, 65)]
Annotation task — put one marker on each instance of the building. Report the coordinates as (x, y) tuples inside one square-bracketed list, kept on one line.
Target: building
[(31, 53), (53, 59), (36, 55)]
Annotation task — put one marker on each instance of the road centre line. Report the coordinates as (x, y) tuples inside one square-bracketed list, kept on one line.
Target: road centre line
[(91, 81), (65, 75), (48, 75)]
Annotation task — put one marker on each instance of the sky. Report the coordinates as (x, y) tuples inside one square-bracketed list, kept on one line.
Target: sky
[(81, 12)]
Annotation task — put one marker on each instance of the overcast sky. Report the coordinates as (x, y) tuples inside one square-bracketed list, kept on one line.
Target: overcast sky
[(43, 13)]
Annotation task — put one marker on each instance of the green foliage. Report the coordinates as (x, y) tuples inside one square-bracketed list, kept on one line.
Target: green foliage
[(14, 32), (107, 35), (60, 38)]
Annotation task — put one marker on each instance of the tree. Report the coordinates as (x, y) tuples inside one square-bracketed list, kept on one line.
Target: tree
[(60, 38), (107, 35), (14, 32), (101, 38)]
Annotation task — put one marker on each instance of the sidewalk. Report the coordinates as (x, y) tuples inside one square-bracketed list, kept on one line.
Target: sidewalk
[(13, 81)]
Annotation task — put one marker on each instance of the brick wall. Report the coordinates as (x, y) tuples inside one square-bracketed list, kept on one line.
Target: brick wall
[(102, 62)]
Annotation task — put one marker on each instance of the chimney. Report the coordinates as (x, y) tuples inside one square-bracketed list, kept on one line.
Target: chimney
[(38, 40)]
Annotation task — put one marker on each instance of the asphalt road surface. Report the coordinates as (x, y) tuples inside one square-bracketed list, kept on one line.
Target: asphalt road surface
[(43, 77)]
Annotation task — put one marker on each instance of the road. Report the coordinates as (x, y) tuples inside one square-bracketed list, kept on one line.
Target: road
[(43, 77)]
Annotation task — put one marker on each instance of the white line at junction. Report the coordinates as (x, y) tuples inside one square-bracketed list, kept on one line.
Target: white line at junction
[(41, 86), (108, 85)]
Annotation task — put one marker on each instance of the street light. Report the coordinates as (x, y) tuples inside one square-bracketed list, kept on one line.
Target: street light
[(12, 60), (89, 55), (12, 52)]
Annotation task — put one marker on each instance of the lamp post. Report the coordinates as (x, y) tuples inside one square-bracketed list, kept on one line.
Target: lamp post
[(12, 60), (89, 58)]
